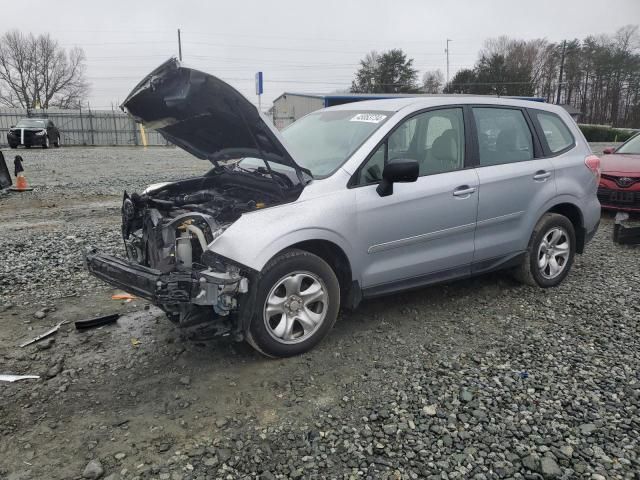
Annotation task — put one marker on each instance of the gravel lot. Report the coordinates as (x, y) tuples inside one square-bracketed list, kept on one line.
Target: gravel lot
[(482, 378)]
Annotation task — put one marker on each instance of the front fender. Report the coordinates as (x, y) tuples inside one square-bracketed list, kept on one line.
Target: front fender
[(257, 237)]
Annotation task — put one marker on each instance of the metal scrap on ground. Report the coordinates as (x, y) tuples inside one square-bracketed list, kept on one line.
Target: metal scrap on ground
[(13, 378), (43, 335)]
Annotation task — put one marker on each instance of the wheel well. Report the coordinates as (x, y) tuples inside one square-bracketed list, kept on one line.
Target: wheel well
[(337, 260), (573, 214)]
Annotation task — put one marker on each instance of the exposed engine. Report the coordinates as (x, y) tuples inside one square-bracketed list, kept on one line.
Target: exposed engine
[(169, 228)]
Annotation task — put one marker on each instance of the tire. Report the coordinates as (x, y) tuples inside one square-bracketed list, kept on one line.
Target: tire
[(13, 146), (57, 142), (550, 253), (45, 144), (294, 326)]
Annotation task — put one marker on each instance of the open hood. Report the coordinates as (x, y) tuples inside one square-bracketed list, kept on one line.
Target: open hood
[(205, 116)]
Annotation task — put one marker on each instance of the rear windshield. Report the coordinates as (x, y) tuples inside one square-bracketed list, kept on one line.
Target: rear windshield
[(30, 123), (321, 142)]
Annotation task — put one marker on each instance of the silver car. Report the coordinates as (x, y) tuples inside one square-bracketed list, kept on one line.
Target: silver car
[(348, 203)]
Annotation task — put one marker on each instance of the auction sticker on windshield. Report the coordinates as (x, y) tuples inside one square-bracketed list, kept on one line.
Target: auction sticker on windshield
[(368, 117)]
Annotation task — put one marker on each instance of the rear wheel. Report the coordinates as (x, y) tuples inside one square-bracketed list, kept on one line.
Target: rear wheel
[(297, 303), (57, 142), (13, 146), (550, 252)]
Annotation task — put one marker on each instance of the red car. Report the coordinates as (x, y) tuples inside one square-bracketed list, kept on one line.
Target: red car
[(620, 181)]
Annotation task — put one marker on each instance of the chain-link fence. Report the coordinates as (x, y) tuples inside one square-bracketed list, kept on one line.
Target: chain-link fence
[(84, 127)]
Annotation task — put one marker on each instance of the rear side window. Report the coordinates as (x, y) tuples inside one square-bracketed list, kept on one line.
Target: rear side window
[(503, 136), (556, 133)]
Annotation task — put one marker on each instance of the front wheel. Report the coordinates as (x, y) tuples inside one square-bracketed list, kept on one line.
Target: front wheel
[(45, 144), (297, 303), (550, 252)]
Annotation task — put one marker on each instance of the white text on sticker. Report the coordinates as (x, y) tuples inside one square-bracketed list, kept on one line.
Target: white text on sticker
[(368, 117)]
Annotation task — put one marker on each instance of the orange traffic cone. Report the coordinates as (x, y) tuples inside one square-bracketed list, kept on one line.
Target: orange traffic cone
[(21, 184), (21, 180)]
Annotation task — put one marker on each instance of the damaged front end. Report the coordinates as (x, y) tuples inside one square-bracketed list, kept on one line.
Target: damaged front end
[(169, 230)]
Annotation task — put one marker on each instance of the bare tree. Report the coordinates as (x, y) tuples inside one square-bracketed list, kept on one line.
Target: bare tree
[(37, 71), (433, 81)]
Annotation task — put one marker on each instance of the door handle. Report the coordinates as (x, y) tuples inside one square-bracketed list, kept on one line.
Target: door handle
[(463, 191), (541, 176)]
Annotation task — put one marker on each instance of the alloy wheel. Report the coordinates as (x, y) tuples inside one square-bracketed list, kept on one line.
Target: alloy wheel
[(296, 307), (554, 252)]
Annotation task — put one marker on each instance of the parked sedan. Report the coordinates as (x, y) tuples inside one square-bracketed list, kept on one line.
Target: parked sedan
[(620, 182), (34, 131)]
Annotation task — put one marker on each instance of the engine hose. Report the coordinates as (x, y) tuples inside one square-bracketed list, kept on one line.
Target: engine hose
[(198, 233)]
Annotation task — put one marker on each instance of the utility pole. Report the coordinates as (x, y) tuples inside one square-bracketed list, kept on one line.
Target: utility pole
[(446, 50), (564, 45), (179, 46)]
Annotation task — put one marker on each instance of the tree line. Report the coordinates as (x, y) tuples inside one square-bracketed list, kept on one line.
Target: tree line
[(598, 75)]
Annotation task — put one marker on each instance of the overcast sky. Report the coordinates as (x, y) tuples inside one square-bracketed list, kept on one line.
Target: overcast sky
[(301, 46)]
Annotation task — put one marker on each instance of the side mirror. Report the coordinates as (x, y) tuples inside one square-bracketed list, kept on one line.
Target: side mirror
[(608, 151), (397, 170), (11, 126)]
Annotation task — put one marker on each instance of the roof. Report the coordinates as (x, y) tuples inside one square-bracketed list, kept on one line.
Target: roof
[(372, 96), (398, 103)]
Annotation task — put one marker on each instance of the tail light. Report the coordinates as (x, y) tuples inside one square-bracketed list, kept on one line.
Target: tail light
[(593, 163)]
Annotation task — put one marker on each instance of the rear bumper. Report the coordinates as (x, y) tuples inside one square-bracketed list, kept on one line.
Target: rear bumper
[(153, 285), (589, 234)]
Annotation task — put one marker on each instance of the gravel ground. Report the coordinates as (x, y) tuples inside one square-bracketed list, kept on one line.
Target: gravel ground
[(481, 378)]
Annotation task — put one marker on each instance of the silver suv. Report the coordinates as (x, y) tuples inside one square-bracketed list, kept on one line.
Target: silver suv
[(350, 202)]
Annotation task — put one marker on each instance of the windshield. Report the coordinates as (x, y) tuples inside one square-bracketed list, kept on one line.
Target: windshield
[(632, 146), (321, 142), (30, 123)]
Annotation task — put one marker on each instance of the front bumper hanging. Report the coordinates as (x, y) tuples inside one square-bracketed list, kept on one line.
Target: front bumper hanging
[(144, 282)]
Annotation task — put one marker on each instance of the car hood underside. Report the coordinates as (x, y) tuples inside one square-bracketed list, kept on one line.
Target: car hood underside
[(205, 116)]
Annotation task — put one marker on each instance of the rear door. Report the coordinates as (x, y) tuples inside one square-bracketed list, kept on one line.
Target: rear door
[(515, 182)]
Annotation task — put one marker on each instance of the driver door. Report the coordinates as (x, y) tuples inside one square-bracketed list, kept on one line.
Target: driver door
[(423, 231)]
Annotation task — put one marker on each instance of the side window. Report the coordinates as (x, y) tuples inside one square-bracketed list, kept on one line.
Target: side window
[(503, 136), (435, 139), (371, 172), (556, 133)]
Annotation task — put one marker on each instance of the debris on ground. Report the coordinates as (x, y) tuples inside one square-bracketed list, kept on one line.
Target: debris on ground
[(96, 322), (123, 296), (14, 378), (626, 230), (43, 335)]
